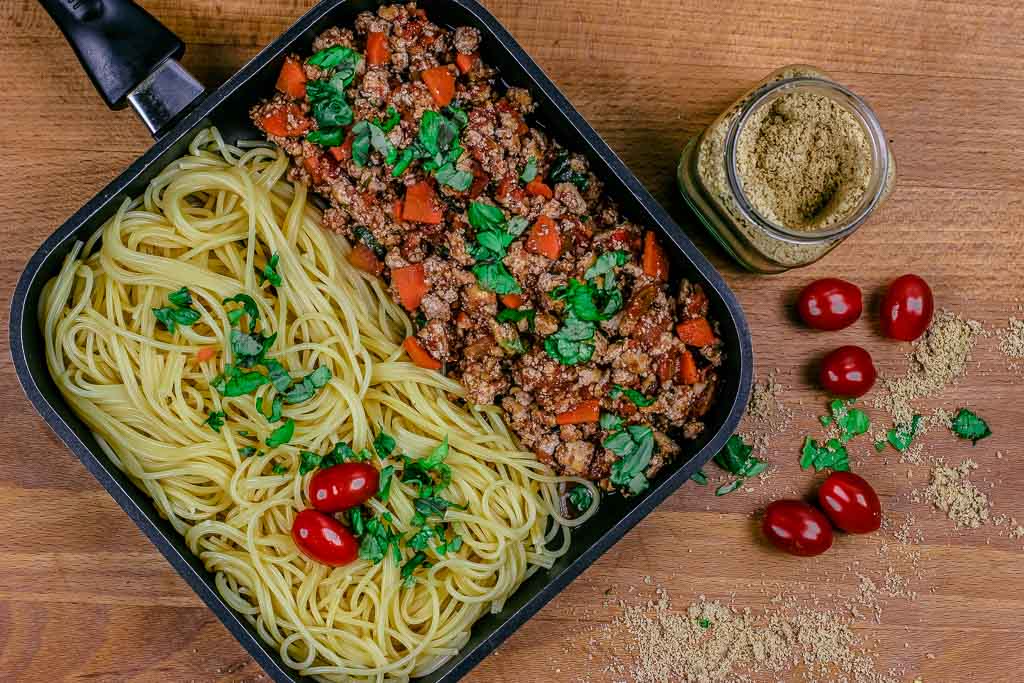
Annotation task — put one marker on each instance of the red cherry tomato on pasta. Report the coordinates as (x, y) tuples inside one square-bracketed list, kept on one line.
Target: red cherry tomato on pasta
[(907, 308), (830, 304), (847, 371), (851, 503), (797, 528), (323, 539), (343, 486)]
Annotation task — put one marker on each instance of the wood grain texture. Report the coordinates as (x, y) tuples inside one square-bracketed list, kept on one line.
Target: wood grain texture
[(83, 596)]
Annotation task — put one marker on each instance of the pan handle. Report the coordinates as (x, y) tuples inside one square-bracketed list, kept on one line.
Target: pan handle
[(130, 57)]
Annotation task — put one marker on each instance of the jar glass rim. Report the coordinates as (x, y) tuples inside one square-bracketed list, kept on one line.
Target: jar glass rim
[(879, 150)]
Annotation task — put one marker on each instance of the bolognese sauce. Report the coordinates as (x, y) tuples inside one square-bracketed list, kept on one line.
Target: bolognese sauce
[(524, 281)]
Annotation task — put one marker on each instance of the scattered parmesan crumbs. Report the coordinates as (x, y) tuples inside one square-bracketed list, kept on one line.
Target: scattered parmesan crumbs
[(1011, 340), (937, 360), (766, 416), (951, 491), (710, 643)]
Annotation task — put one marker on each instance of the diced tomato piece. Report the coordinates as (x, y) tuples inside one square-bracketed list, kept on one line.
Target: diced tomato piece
[(544, 238), (205, 353), (696, 332), (343, 152), (286, 121), (419, 355), (465, 62), (587, 411), (538, 188), (396, 209), (377, 48), (411, 283), (420, 204), (512, 300), (688, 373), (292, 79), (363, 258), (655, 262), (509, 190), (697, 306), (441, 83)]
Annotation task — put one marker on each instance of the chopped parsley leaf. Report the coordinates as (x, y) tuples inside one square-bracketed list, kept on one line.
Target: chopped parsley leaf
[(215, 420), (248, 308), (699, 477), (416, 561), (377, 536), (307, 387), (729, 488), (967, 425), (275, 408), (737, 458), (902, 435), (282, 434)]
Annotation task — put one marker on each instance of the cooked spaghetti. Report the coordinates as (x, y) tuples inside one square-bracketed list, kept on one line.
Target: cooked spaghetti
[(144, 328)]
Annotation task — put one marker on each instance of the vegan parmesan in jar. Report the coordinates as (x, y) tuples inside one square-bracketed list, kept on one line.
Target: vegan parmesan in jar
[(789, 171)]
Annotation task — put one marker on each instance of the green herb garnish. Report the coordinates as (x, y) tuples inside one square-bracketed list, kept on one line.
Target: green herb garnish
[(248, 308), (902, 435), (275, 408), (737, 458), (581, 497), (729, 488), (384, 489), (383, 444), (308, 385), (179, 312), (572, 344), (514, 315), (363, 234), (633, 395), (529, 171), (282, 434), (851, 421), (416, 561), (610, 422), (699, 477), (377, 536), (269, 272), (967, 425), (634, 445), (180, 297), (234, 382), (832, 454), (562, 172), (339, 57), (215, 420), (393, 117), (367, 135), (249, 451), (493, 236), (279, 469)]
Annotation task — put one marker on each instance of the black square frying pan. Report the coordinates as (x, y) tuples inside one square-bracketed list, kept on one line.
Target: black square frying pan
[(132, 60)]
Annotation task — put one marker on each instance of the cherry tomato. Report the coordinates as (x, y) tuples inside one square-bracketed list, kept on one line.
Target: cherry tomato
[(323, 539), (797, 528), (851, 503), (343, 486), (907, 308), (847, 371), (830, 304)]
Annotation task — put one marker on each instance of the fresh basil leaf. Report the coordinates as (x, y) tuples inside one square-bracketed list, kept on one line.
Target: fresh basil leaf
[(421, 539), (309, 461), (269, 271), (332, 113), (967, 425), (633, 395), (248, 308), (514, 346), (406, 158), (276, 373), (482, 216), (728, 488), (454, 178), (215, 420), (415, 562), (699, 477), (901, 436), (457, 115), (610, 422), (451, 546), (282, 434), (384, 444), (180, 297), (529, 171), (378, 535), (384, 489), (393, 117), (249, 451), (244, 383), (514, 315), (634, 445), (581, 497), (606, 264), (494, 277), (307, 387), (339, 57), (275, 408), (516, 225), (331, 137), (830, 455), (571, 344), (169, 317), (586, 301)]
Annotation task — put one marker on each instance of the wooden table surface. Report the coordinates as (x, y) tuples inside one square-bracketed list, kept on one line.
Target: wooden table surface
[(83, 595)]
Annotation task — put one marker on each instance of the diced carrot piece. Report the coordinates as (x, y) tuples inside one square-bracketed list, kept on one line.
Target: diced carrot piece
[(419, 355), (696, 332), (688, 373), (512, 300), (698, 303), (441, 83), (287, 121), (587, 411), (538, 188), (396, 209), (655, 263), (544, 238), (508, 190), (312, 165), (420, 204), (363, 258), (343, 152), (205, 353), (465, 62), (411, 283), (377, 48), (292, 79)]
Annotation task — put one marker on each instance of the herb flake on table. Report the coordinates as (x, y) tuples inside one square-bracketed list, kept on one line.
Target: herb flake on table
[(830, 455), (968, 425), (737, 458)]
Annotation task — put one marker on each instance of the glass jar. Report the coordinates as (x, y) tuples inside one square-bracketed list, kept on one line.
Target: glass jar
[(710, 177)]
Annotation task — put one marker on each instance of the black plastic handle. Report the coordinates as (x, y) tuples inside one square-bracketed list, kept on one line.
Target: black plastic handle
[(118, 43)]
